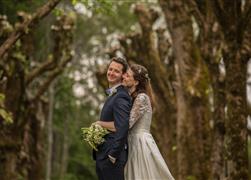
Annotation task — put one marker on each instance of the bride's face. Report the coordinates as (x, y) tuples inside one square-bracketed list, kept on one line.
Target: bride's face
[(128, 79)]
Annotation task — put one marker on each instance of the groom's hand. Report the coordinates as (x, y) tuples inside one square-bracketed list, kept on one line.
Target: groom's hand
[(112, 159)]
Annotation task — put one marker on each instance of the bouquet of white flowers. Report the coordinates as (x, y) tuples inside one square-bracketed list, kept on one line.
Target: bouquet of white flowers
[(94, 134)]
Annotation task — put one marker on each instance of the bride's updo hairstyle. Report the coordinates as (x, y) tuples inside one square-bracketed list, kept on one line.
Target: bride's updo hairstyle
[(141, 75)]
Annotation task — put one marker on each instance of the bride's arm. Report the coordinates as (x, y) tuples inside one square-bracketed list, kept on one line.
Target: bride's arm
[(139, 108), (108, 125)]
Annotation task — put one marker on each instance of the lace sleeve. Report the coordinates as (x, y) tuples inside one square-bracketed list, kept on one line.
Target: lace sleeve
[(138, 109)]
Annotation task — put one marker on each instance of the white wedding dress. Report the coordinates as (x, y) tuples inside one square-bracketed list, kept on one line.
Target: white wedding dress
[(144, 159)]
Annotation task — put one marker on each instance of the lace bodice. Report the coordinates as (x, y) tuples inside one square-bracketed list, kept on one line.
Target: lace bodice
[(141, 114)]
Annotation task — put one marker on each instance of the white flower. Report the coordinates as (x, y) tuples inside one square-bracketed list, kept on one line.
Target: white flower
[(147, 76)]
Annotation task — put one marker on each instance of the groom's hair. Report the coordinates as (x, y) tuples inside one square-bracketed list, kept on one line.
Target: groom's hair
[(121, 61)]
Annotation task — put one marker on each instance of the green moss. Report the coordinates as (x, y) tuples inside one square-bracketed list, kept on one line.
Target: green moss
[(191, 178), (198, 83)]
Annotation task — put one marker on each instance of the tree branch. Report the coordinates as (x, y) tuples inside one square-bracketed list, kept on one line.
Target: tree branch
[(51, 77), (164, 44), (199, 16), (39, 70), (28, 23), (246, 18), (220, 14)]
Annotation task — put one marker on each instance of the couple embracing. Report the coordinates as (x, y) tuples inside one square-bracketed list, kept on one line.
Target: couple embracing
[(129, 151)]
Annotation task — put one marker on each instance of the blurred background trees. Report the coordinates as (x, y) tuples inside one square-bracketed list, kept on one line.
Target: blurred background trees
[(52, 78)]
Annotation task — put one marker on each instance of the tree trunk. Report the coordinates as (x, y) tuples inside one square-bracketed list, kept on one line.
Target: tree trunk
[(11, 136), (36, 127), (236, 52), (193, 130), (22, 142), (218, 148), (64, 157), (236, 122), (210, 42), (50, 133), (8, 165)]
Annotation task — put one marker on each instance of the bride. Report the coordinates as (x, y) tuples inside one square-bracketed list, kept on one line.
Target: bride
[(145, 161)]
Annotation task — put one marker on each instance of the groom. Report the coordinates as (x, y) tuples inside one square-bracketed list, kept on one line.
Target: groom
[(111, 156)]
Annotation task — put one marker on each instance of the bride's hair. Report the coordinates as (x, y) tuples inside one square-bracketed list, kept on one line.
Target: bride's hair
[(141, 75)]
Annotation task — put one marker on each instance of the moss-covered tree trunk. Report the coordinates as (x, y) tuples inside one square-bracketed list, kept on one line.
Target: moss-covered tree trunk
[(236, 122), (235, 23), (193, 130), (218, 147), (22, 142), (11, 138), (209, 41)]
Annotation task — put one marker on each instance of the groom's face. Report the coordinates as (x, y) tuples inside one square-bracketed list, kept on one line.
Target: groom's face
[(114, 73)]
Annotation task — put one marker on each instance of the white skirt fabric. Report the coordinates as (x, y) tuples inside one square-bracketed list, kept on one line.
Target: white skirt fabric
[(145, 161)]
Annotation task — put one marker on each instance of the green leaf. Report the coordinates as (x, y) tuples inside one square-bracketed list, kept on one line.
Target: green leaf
[(19, 56), (6, 116), (74, 2), (98, 6), (2, 98), (58, 12)]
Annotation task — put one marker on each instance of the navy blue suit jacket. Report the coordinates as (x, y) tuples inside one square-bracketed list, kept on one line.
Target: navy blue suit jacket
[(117, 108)]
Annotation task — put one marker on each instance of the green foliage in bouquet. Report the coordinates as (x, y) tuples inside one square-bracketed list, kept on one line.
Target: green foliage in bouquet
[(94, 134)]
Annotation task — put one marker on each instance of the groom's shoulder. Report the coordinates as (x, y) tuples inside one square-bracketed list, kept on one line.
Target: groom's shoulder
[(123, 93)]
